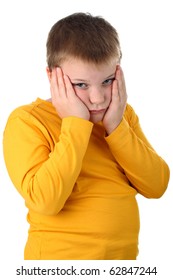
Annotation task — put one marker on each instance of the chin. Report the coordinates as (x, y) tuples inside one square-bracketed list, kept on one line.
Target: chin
[(96, 119)]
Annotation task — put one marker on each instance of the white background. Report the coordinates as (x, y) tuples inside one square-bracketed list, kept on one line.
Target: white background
[(146, 30)]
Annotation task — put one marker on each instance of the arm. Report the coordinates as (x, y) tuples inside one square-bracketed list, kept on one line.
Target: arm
[(146, 170), (44, 178)]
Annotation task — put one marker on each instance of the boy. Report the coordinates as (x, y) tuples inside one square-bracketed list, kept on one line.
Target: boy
[(79, 158)]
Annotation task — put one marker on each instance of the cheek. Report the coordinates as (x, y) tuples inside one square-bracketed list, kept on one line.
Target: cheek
[(82, 96)]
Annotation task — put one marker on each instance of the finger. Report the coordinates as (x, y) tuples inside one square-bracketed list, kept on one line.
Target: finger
[(121, 75), (54, 84), (60, 83), (69, 88), (121, 83), (115, 91)]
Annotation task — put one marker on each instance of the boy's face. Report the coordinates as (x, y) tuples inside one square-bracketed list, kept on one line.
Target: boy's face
[(92, 84)]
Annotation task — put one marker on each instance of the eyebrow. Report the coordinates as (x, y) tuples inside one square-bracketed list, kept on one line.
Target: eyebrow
[(86, 81)]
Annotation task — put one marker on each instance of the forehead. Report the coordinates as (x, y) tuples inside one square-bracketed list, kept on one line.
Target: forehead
[(79, 69)]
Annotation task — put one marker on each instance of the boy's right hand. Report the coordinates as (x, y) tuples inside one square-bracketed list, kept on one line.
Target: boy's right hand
[(64, 98)]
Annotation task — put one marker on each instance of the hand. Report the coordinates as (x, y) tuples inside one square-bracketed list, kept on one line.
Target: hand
[(115, 111), (64, 99)]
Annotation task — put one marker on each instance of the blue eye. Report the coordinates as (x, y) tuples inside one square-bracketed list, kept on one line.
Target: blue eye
[(80, 85), (108, 81)]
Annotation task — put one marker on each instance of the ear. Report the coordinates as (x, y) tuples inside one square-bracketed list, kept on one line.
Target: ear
[(49, 73)]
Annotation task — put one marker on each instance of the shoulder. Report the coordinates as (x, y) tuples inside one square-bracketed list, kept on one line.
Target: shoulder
[(23, 111), (33, 112), (28, 110), (30, 118)]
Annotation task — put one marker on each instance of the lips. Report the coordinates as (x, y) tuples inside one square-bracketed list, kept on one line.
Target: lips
[(97, 111)]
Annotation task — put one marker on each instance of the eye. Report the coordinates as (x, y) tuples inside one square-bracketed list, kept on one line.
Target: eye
[(108, 82), (80, 85)]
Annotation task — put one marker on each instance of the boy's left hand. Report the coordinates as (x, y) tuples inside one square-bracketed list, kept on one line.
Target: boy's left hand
[(115, 111)]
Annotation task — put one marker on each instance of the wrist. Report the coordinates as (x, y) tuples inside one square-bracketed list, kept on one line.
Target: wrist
[(111, 127)]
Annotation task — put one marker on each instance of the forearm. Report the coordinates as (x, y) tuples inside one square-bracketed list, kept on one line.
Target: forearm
[(146, 171), (44, 179), (58, 174)]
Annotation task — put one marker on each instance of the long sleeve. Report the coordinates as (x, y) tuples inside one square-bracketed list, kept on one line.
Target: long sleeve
[(146, 170), (44, 177)]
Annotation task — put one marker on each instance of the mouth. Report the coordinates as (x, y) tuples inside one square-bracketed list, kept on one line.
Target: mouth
[(94, 112)]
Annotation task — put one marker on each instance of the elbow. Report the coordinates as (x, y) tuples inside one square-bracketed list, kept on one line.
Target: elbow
[(44, 200), (160, 184), (153, 191), (49, 208), (44, 203), (158, 192), (164, 180), (48, 211)]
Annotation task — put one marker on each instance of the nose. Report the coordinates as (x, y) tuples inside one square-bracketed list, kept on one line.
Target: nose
[(96, 96)]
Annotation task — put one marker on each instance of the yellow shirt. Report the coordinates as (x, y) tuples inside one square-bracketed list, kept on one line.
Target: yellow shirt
[(79, 186)]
